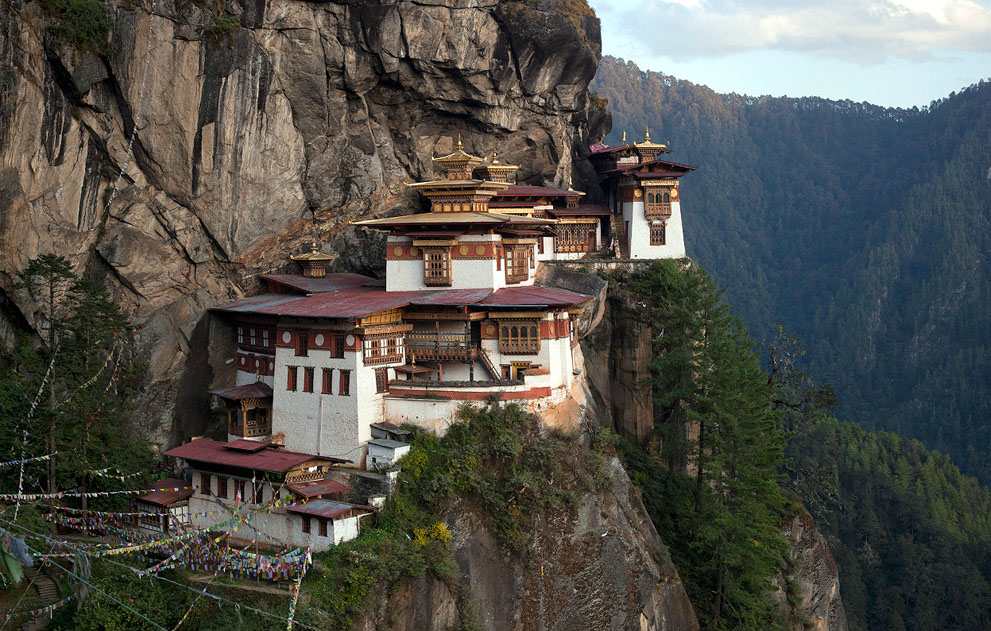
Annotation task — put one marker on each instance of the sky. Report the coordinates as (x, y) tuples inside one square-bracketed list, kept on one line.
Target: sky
[(896, 53)]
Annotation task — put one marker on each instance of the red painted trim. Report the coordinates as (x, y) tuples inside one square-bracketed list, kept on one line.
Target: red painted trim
[(460, 395)]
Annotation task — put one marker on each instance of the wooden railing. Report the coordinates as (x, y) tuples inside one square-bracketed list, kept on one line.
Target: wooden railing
[(440, 346), (657, 209)]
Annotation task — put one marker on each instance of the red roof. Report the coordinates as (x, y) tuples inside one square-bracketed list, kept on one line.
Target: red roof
[(250, 446), (597, 147), (325, 508), (166, 498), (358, 302), (582, 211), (535, 191), (257, 390), (623, 168), (533, 297), (271, 458), (318, 487), (309, 285)]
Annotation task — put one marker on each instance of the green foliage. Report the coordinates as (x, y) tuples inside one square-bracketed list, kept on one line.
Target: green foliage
[(82, 412), (83, 24), (713, 491), (910, 533), (492, 458), (863, 229), (223, 27)]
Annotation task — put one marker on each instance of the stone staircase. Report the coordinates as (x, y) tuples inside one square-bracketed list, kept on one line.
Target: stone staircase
[(622, 240)]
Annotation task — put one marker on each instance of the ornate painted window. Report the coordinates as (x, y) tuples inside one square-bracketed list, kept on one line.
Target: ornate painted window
[(382, 380), (517, 263), (658, 204), (519, 338), (577, 237), (437, 266), (658, 234), (383, 349)]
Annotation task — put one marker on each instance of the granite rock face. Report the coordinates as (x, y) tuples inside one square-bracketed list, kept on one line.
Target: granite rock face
[(244, 134), (817, 578), (602, 567)]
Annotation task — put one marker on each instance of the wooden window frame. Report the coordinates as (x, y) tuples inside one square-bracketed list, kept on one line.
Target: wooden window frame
[(575, 237), (239, 490), (292, 378), (381, 380), (306, 524), (205, 484), (344, 383), (337, 347), (526, 340), (328, 381), (302, 344), (222, 487), (383, 349), (308, 378), (321, 527), (658, 234), (258, 493), (437, 272), (517, 264)]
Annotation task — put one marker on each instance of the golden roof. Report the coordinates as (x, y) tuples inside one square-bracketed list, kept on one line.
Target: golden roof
[(458, 159), (647, 144), (495, 165), (313, 255)]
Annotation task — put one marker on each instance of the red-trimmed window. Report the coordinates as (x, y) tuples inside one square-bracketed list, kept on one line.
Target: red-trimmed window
[(205, 484), (221, 486), (308, 379), (306, 524), (302, 343), (328, 380), (344, 387), (382, 380), (337, 347), (291, 378)]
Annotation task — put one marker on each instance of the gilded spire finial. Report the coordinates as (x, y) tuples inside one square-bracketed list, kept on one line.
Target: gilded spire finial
[(646, 134), (459, 141), (495, 157), (624, 135), (570, 184), (313, 247)]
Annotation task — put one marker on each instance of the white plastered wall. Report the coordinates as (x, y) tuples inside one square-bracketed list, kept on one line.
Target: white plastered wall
[(639, 233)]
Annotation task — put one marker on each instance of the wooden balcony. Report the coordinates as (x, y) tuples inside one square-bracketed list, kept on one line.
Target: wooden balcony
[(657, 209), (440, 347)]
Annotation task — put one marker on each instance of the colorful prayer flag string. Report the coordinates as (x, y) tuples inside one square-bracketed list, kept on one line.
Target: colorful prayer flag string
[(36, 612), (11, 463)]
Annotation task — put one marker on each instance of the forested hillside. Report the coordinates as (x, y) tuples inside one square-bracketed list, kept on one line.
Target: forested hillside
[(865, 230)]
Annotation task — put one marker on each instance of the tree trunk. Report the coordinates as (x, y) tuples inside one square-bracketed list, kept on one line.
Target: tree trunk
[(717, 610), (698, 468)]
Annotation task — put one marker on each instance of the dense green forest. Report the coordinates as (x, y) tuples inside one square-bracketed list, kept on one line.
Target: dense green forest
[(910, 533), (863, 229)]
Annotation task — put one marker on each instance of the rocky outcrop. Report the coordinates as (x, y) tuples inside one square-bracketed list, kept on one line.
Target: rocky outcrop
[(600, 567), (202, 147), (617, 361), (815, 579)]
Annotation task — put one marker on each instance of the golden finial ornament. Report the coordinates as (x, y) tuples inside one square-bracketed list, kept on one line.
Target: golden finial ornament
[(459, 142), (624, 135), (646, 134), (495, 157), (570, 184)]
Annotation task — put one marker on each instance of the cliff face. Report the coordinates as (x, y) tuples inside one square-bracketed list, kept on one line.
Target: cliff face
[(243, 134), (603, 567), (817, 578)]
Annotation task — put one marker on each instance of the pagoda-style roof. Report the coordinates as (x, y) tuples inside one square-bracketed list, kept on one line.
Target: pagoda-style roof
[(495, 170), (537, 191), (269, 458), (647, 144), (450, 218), (314, 255), (650, 165), (458, 159)]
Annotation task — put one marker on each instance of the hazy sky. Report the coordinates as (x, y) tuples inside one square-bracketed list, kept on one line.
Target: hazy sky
[(890, 52)]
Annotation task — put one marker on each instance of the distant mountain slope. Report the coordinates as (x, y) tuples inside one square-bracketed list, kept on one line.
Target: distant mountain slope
[(865, 230)]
